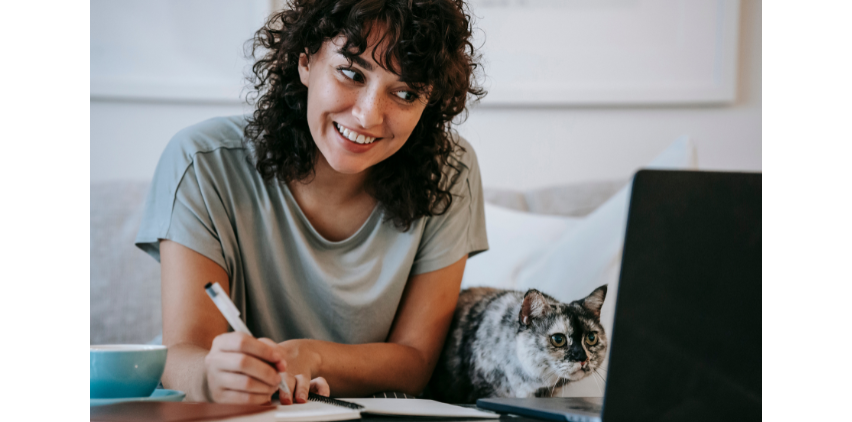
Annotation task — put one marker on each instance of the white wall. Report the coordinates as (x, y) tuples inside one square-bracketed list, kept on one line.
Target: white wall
[(518, 148)]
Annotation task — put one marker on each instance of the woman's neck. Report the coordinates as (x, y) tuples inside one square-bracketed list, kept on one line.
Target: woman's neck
[(336, 204), (332, 186)]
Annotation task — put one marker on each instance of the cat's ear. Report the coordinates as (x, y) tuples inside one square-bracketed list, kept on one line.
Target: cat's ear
[(595, 300), (534, 306)]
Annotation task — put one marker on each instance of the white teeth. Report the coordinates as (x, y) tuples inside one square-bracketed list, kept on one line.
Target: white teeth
[(354, 137)]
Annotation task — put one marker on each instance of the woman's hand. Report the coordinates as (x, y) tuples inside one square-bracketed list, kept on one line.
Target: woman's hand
[(242, 369), (303, 365)]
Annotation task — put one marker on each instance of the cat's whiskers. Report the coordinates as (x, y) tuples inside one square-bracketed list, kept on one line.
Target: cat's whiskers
[(555, 382), (603, 380), (596, 381)]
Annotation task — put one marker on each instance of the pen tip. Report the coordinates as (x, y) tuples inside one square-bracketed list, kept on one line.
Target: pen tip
[(208, 285)]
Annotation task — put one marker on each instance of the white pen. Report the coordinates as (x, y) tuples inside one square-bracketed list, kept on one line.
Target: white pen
[(232, 315)]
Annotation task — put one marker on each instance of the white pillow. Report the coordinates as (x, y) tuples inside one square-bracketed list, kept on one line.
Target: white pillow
[(565, 257), (516, 241)]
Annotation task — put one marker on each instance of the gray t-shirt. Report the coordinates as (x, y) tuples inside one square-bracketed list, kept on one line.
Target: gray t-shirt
[(286, 279)]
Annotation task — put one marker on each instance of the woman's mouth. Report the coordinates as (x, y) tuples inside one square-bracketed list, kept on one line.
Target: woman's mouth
[(354, 137)]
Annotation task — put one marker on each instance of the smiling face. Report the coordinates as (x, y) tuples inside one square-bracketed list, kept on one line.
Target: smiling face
[(358, 114)]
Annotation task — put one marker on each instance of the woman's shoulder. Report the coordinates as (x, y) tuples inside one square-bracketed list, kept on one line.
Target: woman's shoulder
[(207, 136)]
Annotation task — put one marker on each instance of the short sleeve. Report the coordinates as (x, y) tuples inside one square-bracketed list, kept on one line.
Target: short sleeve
[(190, 223), (461, 230), (182, 203)]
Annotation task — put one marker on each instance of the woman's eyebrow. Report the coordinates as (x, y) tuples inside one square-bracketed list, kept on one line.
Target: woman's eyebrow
[(361, 62)]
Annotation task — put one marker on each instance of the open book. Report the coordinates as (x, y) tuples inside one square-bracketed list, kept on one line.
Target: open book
[(319, 411)]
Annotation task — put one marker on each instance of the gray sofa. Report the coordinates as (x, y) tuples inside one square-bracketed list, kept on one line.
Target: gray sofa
[(125, 282)]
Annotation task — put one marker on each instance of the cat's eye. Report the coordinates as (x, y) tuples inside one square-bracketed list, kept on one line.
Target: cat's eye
[(558, 340), (591, 339)]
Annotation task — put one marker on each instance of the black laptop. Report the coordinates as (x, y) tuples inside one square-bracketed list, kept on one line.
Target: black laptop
[(686, 341)]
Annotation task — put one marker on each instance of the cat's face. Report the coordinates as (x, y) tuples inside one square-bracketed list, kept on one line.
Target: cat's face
[(561, 341)]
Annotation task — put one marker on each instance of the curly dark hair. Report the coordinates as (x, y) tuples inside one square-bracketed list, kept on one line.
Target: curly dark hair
[(427, 40)]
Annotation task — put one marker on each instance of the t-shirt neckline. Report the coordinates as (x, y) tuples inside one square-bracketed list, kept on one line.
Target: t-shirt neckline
[(320, 239)]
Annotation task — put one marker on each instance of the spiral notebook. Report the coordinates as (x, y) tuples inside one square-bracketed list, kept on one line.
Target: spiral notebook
[(324, 409)]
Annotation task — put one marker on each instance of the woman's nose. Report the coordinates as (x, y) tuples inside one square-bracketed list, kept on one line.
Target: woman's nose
[(369, 109)]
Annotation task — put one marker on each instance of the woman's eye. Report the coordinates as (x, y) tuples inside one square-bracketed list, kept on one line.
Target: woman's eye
[(591, 339), (407, 96), (557, 340), (351, 74)]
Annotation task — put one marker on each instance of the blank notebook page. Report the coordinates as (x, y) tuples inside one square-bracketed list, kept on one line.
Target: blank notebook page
[(418, 407), (314, 411)]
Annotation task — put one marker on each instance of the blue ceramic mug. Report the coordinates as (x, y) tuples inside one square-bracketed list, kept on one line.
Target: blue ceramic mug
[(125, 370)]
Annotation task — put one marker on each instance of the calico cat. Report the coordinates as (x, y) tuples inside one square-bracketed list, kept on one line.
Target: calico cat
[(505, 343)]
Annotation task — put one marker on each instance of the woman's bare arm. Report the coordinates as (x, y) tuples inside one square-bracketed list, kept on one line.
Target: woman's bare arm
[(191, 323)]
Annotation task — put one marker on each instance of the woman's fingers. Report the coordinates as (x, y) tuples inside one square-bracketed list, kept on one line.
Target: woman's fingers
[(242, 369), (320, 386), (243, 364), (280, 365), (291, 384), (246, 384), (317, 385), (303, 384), (244, 343)]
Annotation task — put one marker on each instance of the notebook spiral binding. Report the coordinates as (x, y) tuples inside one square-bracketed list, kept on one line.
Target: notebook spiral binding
[(329, 400)]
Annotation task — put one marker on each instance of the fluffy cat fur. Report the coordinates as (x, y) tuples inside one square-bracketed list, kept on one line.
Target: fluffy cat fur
[(505, 343)]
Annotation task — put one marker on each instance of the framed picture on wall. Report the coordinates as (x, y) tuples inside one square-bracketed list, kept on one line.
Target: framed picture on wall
[(608, 52)]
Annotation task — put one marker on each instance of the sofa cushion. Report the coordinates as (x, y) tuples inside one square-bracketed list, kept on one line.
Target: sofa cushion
[(124, 281), (573, 200)]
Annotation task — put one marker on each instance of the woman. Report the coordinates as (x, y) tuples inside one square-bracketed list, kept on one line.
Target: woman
[(338, 217)]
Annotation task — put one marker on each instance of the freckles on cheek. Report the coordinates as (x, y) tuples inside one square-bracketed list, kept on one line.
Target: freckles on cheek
[(337, 99)]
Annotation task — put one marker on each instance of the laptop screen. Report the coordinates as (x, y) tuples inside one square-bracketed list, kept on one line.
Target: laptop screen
[(686, 342)]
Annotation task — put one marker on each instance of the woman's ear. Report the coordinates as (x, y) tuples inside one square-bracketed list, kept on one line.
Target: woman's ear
[(304, 68)]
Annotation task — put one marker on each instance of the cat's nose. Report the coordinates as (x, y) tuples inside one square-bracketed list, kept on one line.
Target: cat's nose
[(578, 355)]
